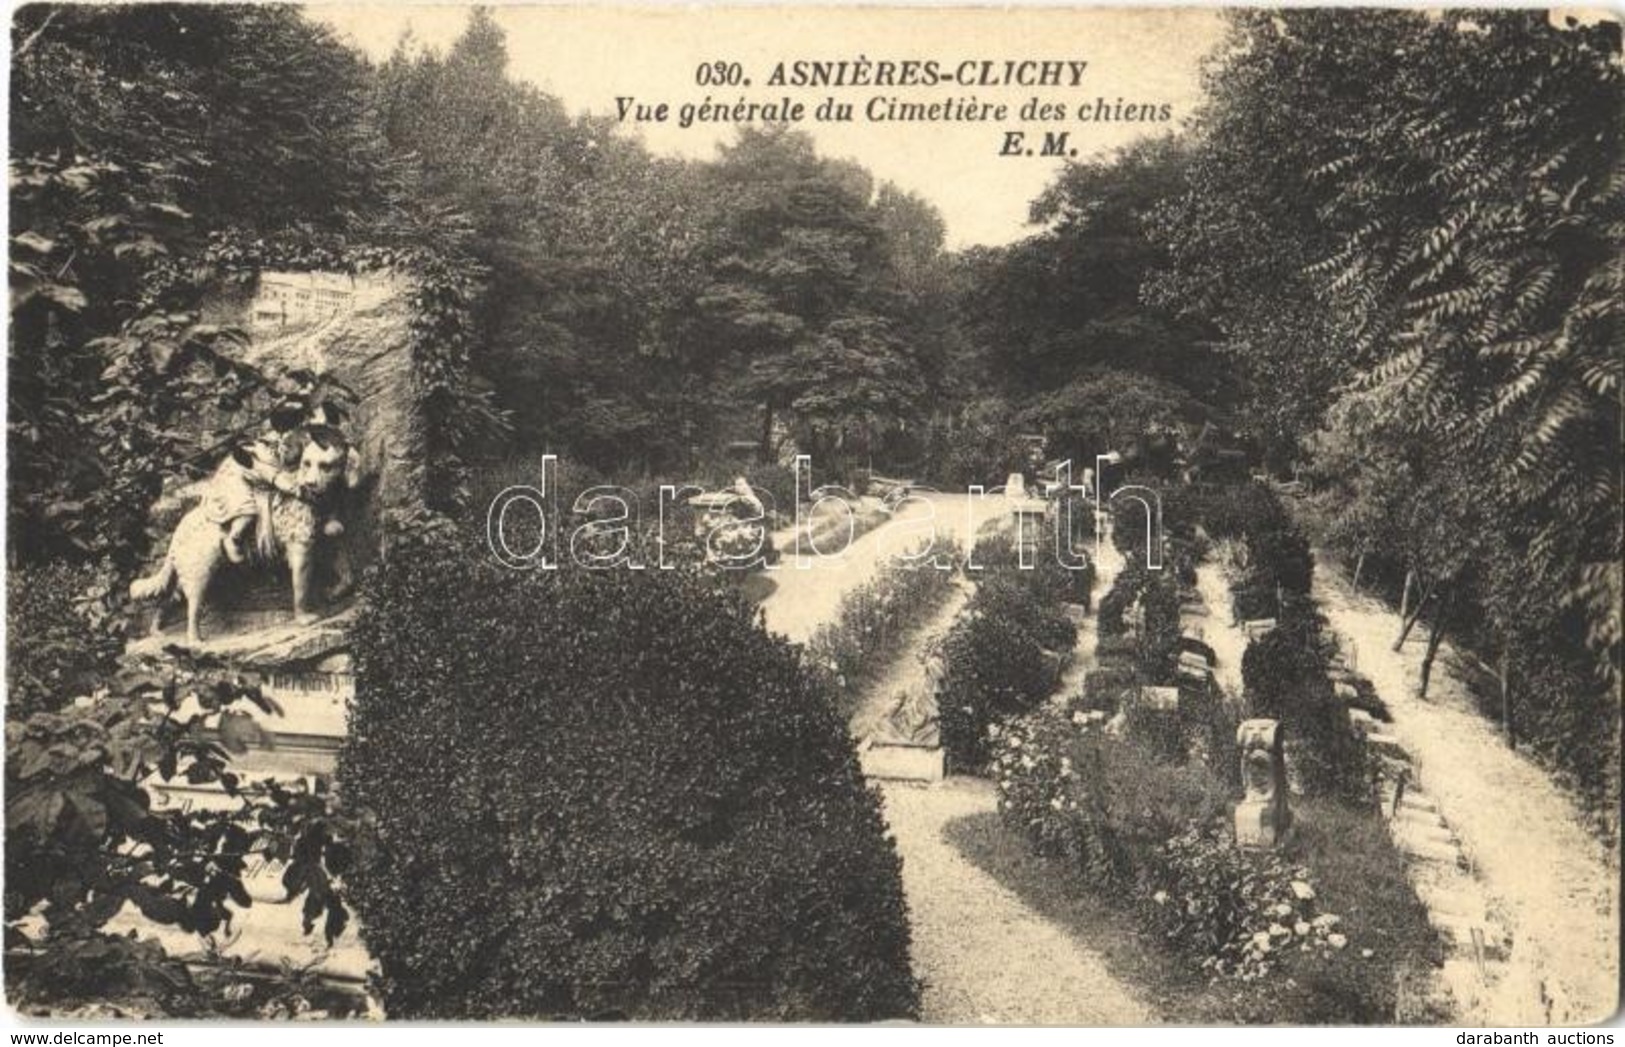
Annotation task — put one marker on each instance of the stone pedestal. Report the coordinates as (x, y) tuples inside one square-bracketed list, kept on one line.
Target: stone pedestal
[(1262, 816), (906, 744)]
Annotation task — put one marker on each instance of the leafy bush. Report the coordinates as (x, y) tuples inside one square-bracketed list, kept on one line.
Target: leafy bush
[(1158, 637), (83, 839), (1112, 615), (99, 975), (63, 635), (609, 793), (1240, 911), (994, 665), (1035, 764), (872, 624), (1284, 676), (1050, 581)]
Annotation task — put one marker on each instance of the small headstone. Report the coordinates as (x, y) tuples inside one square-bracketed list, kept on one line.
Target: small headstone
[(1195, 662), (1262, 816), (1193, 644), (1160, 699), (1257, 627)]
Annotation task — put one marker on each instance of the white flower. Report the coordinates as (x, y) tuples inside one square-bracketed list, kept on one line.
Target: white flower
[(1303, 891), (1056, 803), (1300, 928), (1337, 941), (1282, 910), (1161, 897)]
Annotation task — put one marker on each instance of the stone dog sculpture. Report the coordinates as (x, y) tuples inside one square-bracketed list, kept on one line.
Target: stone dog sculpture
[(281, 489)]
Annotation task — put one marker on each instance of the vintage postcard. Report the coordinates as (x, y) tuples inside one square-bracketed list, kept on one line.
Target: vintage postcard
[(1039, 516)]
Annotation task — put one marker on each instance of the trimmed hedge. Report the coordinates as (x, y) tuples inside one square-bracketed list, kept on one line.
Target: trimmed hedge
[(994, 665), (1284, 675), (1045, 577), (608, 794)]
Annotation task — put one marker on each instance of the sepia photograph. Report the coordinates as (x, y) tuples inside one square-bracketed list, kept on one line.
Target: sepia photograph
[(1069, 516)]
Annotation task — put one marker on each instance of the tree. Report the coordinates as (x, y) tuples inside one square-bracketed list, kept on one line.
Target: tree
[(1453, 267), (1068, 298), (800, 271)]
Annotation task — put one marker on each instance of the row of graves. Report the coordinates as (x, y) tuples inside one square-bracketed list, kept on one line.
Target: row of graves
[(1476, 938)]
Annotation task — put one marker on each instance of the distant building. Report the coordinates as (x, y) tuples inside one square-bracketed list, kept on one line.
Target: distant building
[(295, 299)]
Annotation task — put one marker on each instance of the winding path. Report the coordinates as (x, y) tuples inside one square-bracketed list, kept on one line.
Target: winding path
[(809, 588), (984, 955)]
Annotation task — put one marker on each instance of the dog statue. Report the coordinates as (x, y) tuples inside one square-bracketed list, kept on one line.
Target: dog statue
[(281, 490)]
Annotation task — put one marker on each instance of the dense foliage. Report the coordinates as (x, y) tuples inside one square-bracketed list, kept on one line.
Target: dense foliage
[(84, 838), (674, 807), (1316, 930), (1405, 230), (1001, 656)]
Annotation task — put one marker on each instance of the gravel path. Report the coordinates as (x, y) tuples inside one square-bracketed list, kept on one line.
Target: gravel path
[(1557, 884), (809, 588), (984, 955), (1228, 642)]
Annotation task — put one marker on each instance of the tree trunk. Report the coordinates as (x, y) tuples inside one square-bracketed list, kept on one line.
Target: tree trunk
[(1405, 597), (1359, 568), (767, 432), (1506, 694), (1415, 615), (1435, 635)]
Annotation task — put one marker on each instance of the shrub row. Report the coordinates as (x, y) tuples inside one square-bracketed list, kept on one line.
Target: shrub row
[(1284, 675), (594, 794), (1284, 672), (872, 624), (1000, 657), (1276, 564)]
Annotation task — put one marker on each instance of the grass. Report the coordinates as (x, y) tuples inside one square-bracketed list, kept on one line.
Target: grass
[(1179, 994), (1358, 874)]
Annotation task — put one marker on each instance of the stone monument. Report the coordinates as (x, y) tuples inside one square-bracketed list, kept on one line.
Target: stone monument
[(275, 611), (1262, 816)]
